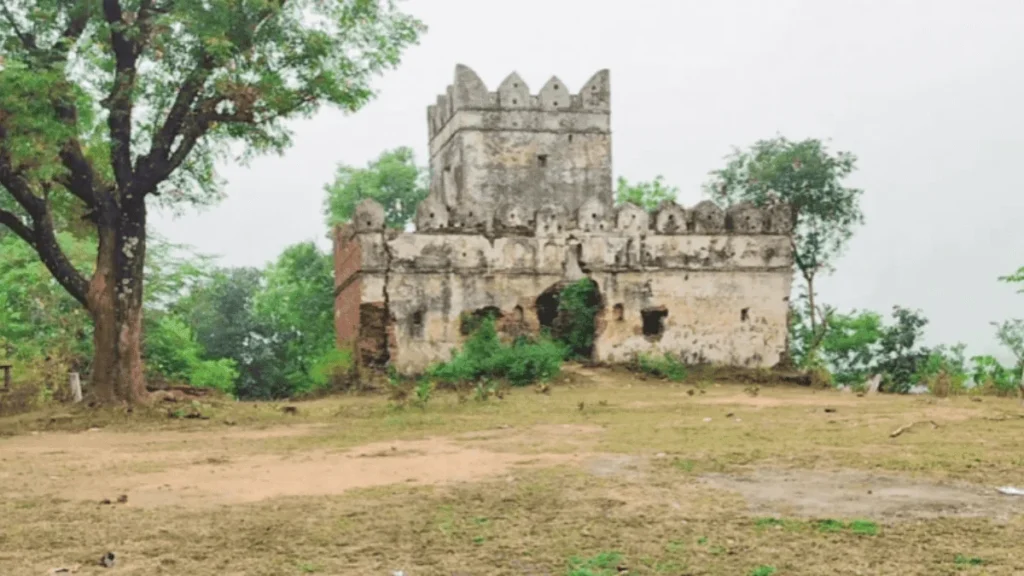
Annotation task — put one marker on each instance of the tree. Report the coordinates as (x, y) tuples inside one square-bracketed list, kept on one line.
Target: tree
[(106, 105), (295, 313), (900, 354), (809, 179), (221, 312), (392, 179), (37, 317), (1015, 278), (647, 195)]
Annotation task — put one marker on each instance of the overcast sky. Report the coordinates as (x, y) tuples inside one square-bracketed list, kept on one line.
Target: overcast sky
[(929, 94)]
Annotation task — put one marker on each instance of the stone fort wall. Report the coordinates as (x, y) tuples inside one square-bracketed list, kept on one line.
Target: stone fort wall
[(703, 284), (553, 146)]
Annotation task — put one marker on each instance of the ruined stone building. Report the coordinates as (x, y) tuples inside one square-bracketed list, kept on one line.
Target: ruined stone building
[(520, 203)]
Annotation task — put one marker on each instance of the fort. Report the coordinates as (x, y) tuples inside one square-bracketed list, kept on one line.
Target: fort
[(520, 204)]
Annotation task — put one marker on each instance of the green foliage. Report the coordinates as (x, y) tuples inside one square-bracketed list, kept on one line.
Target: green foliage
[(1015, 278), (763, 570), (263, 61), (900, 352), (172, 352), (864, 527), (647, 195), (1010, 333), (989, 374), (961, 560), (37, 317), (422, 392), (944, 371), (848, 345), (332, 369), (664, 366), (603, 564), (392, 179), (220, 374), (829, 525), (106, 105), (808, 178), (293, 321), (484, 356), (579, 303)]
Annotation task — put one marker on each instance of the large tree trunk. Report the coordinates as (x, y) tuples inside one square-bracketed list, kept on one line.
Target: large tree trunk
[(115, 304), (810, 303)]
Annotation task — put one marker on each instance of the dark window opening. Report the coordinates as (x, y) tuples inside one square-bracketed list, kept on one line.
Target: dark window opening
[(556, 86), (654, 321), (570, 137), (547, 307), (619, 312), (556, 103), (744, 314), (542, 160), (447, 168), (514, 101), (416, 324)]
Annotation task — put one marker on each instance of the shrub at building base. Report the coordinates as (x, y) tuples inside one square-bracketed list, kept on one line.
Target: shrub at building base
[(485, 356)]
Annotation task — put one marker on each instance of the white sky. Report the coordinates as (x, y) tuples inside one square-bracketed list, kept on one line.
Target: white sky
[(927, 93)]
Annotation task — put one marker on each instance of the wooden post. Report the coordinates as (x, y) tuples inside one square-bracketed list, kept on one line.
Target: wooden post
[(7, 376), (76, 387)]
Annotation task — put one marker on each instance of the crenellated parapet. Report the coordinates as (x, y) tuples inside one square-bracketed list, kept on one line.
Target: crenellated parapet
[(513, 239), (468, 92), (514, 218)]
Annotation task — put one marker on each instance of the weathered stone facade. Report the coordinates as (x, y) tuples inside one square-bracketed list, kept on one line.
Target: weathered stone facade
[(521, 201)]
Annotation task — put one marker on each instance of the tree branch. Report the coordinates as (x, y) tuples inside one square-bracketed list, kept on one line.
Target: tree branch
[(27, 40), (159, 152), (14, 224), (42, 236), (119, 102)]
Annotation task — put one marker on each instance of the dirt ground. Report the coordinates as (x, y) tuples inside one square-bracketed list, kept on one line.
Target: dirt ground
[(635, 477)]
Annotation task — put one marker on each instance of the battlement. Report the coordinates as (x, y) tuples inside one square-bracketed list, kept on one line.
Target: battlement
[(468, 92), (512, 218)]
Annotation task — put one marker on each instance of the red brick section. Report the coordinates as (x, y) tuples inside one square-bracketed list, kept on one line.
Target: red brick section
[(348, 293)]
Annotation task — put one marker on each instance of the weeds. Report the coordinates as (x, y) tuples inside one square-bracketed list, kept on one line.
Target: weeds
[(604, 564), (864, 527), (763, 570), (423, 391), (962, 560), (830, 525), (666, 366), (578, 303), (484, 356)]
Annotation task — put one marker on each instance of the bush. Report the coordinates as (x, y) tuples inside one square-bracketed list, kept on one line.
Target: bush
[(484, 356), (665, 366), (578, 303), (171, 351), (333, 368), (991, 377), (944, 372), (217, 374)]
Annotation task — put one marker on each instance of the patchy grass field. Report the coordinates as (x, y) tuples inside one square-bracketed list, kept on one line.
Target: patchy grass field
[(605, 476)]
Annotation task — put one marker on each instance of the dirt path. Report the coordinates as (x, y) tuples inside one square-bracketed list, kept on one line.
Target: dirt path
[(200, 470)]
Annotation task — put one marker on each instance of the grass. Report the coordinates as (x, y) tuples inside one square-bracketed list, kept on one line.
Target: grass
[(550, 519)]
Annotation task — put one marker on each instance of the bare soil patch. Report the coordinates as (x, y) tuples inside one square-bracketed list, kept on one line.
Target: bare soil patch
[(225, 479), (856, 494), (675, 483)]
